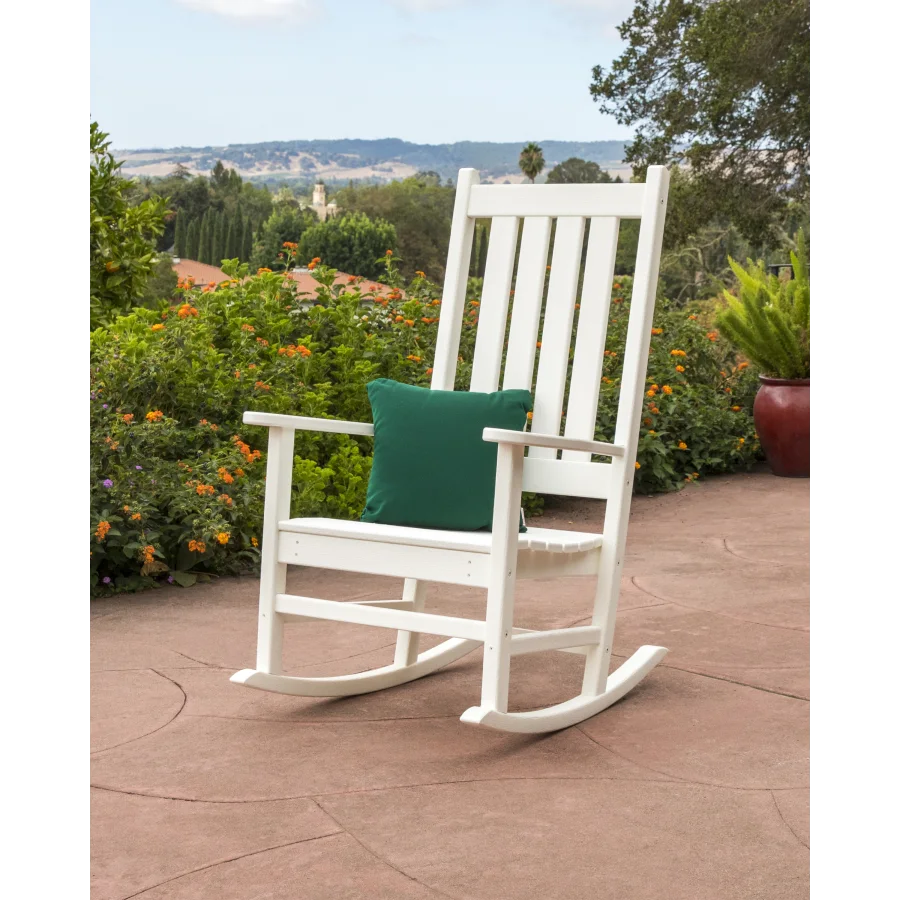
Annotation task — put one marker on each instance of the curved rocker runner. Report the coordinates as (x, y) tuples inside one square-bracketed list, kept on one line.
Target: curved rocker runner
[(556, 463)]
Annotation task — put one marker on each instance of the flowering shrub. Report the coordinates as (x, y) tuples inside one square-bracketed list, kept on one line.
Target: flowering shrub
[(177, 480)]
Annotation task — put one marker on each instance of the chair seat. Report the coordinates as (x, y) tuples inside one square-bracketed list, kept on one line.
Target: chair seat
[(548, 540)]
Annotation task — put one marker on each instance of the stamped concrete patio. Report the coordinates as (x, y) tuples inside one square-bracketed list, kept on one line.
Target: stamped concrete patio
[(694, 787)]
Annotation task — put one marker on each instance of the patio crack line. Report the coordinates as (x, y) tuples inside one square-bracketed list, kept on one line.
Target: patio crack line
[(378, 856), (713, 612), (391, 787), (768, 562), (317, 721), (230, 859), (160, 728), (677, 779), (781, 816), (752, 687)]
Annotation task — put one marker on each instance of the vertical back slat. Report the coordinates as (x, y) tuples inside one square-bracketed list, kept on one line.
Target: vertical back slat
[(494, 304), (526, 314), (453, 299), (553, 362), (590, 341)]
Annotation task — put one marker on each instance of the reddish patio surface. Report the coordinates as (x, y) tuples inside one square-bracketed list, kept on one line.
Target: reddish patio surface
[(694, 787)]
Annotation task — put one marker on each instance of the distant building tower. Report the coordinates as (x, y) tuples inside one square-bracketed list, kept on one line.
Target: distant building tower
[(320, 205)]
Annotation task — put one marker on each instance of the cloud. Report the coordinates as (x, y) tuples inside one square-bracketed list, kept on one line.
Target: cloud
[(256, 9)]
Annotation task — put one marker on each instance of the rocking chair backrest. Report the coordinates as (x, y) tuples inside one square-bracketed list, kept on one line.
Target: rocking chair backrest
[(571, 205)]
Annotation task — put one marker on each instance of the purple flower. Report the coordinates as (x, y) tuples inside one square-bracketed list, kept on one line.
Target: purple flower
[(106, 406), (93, 395), (108, 483), (139, 468), (171, 580), (107, 580)]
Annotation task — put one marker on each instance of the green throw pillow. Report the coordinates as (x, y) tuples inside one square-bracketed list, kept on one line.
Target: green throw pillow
[(431, 467)]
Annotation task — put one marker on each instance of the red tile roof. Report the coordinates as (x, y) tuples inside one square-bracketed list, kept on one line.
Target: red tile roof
[(204, 274)]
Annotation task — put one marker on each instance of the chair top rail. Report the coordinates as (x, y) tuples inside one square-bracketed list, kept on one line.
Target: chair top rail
[(622, 201)]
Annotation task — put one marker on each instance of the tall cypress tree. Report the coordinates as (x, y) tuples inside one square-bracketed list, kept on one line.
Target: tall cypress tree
[(219, 240), (247, 240), (232, 238), (192, 250), (235, 245), (203, 253), (180, 235), (482, 252)]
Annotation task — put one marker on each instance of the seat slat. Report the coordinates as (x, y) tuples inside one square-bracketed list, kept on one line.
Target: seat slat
[(553, 361), (526, 314), (494, 304), (590, 340), (550, 540)]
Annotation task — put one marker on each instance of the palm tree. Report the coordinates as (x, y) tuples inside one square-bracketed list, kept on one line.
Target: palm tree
[(531, 160)]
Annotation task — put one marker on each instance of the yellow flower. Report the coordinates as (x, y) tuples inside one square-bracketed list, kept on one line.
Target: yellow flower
[(157, 327), (222, 537)]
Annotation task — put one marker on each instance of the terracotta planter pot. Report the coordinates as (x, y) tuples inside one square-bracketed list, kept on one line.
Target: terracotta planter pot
[(781, 414)]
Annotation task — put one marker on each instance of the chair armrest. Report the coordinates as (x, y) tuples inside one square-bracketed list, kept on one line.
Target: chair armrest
[(306, 423), (529, 439)]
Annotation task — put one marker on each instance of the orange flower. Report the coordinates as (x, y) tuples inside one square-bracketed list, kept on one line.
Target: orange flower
[(225, 475), (186, 310), (222, 537), (648, 421), (651, 393), (666, 389), (693, 318), (112, 267), (409, 323), (530, 416), (128, 418), (474, 303), (617, 286), (429, 371), (136, 517), (735, 409), (414, 358), (712, 335), (388, 252), (398, 319), (237, 373), (263, 342), (637, 465), (155, 415), (148, 551), (538, 345), (126, 508), (157, 327), (679, 368), (102, 529), (743, 365), (678, 353), (261, 385), (682, 445), (304, 351), (205, 490), (656, 331), (196, 546), (254, 541), (239, 473), (224, 498), (246, 327), (654, 387), (420, 274)]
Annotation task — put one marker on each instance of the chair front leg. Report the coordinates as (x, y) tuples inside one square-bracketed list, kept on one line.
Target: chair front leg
[(273, 574), (502, 583)]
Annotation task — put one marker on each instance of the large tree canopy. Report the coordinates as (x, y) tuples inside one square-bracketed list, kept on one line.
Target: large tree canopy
[(722, 85)]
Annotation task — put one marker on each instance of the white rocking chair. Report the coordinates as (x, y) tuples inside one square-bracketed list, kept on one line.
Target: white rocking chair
[(494, 560)]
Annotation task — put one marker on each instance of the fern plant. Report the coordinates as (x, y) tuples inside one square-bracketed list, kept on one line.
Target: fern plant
[(769, 323)]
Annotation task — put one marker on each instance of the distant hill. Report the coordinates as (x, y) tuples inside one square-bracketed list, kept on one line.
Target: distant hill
[(374, 161)]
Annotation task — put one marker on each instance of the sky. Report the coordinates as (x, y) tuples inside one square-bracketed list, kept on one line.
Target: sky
[(168, 73)]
